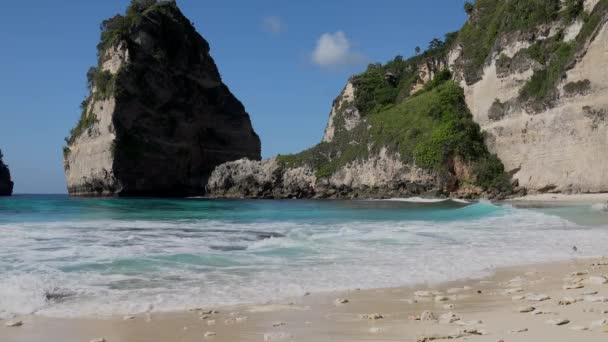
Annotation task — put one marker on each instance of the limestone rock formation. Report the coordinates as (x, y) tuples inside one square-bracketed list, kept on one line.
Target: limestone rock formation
[(158, 118), (540, 98), (6, 185)]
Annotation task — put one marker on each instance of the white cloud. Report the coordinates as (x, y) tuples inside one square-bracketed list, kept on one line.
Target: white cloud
[(334, 49), (274, 24)]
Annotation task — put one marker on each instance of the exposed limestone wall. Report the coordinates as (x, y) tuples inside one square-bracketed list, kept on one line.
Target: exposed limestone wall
[(344, 109), (89, 164), (559, 149)]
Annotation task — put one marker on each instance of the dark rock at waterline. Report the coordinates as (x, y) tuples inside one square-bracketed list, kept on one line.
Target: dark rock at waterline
[(6, 184)]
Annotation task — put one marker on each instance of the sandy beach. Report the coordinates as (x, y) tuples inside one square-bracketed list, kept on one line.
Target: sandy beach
[(563, 301), (562, 198)]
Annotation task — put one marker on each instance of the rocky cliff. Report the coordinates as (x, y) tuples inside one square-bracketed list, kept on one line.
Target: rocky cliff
[(513, 101), (6, 185), (394, 131), (158, 118), (539, 92)]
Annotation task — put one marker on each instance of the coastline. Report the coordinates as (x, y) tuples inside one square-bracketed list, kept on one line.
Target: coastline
[(561, 198), (483, 310)]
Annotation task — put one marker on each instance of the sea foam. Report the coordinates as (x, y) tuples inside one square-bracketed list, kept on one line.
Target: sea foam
[(121, 266)]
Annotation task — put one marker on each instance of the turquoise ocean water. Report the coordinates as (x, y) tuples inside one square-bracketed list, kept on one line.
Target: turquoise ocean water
[(69, 257)]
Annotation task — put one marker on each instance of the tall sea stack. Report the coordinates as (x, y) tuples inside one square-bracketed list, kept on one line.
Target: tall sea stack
[(6, 185), (158, 118)]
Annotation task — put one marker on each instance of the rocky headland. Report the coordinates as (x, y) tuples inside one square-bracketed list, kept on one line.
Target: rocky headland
[(510, 104), (158, 118)]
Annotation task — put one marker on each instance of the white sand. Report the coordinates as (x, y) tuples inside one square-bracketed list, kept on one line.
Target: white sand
[(506, 306)]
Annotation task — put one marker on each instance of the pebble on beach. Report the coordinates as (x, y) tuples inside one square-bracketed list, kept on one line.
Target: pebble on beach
[(525, 309), (13, 324), (340, 301), (210, 334), (427, 316), (372, 317), (558, 321), (276, 336), (596, 280), (101, 339)]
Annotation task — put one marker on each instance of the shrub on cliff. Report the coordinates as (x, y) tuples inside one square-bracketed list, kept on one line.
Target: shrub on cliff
[(427, 130)]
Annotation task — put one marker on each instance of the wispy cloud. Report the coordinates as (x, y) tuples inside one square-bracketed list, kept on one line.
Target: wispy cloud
[(334, 49), (274, 25)]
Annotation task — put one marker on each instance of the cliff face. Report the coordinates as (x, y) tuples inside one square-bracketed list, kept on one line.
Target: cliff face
[(159, 118), (540, 96), (6, 185), (528, 73), (381, 141)]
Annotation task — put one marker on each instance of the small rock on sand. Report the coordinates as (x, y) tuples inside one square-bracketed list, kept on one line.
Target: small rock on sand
[(599, 324), (579, 328), (126, 318), (514, 290), (209, 334), (278, 324), (373, 317), (13, 324), (427, 316), (558, 321), (566, 301), (277, 336), (441, 299), (596, 280), (448, 306), (101, 339), (374, 330), (424, 294), (525, 309), (572, 286), (589, 293), (340, 301), (518, 331), (449, 318), (537, 297), (595, 299)]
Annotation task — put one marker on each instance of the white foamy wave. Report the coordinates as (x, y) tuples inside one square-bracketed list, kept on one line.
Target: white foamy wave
[(111, 267), (600, 207)]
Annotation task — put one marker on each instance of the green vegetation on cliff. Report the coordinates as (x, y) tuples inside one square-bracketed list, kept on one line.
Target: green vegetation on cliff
[(491, 19), (428, 129)]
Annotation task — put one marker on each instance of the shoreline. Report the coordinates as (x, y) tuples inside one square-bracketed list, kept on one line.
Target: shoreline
[(590, 198), (478, 309)]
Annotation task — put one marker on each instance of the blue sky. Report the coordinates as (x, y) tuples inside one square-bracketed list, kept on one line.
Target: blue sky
[(285, 60)]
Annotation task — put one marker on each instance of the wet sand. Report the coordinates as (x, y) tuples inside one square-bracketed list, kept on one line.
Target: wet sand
[(471, 310)]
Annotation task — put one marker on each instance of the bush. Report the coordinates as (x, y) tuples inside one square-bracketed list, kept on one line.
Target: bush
[(468, 7), (494, 17), (578, 88), (491, 174), (87, 119), (541, 88), (572, 9)]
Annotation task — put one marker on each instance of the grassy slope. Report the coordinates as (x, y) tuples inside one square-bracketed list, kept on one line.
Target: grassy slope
[(426, 129)]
